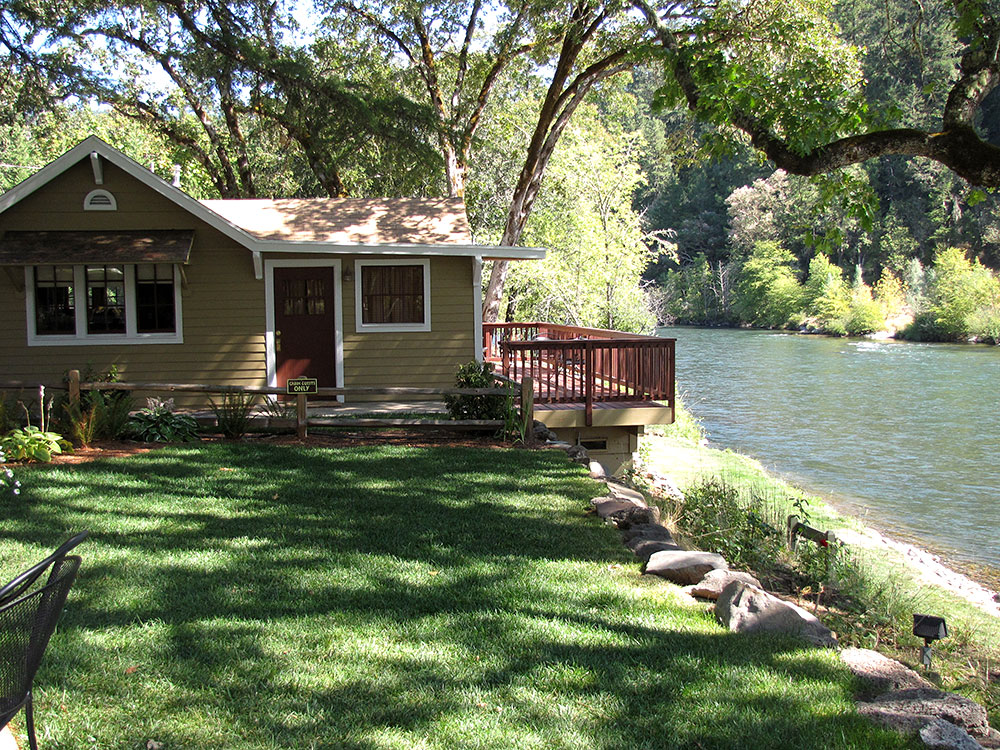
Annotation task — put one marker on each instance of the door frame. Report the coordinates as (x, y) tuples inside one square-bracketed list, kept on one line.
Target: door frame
[(338, 313)]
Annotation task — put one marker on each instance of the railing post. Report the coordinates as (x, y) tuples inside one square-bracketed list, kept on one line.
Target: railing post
[(528, 407), (301, 416), (73, 384), (588, 381)]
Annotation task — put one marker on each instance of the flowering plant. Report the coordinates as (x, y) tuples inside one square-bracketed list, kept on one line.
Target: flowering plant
[(7, 480)]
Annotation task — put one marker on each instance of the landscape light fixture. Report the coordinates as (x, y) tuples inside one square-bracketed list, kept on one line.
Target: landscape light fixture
[(931, 629)]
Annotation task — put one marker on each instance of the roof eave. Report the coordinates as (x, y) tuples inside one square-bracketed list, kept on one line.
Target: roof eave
[(486, 252)]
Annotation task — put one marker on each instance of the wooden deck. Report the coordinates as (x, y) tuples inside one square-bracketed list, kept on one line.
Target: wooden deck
[(585, 368)]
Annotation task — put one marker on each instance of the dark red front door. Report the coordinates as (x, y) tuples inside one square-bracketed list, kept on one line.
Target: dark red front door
[(305, 336)]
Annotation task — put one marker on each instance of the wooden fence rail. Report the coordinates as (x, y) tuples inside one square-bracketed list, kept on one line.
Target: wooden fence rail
[(523, 390)]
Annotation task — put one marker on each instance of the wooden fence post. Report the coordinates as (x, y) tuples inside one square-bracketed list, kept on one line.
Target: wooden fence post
[(528, 407), (301, 416), (73, 382)]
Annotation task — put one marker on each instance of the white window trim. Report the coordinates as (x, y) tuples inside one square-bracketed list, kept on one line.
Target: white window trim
[(81, 337), (360, 327)]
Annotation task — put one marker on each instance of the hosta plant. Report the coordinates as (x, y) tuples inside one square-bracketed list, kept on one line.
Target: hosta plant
[(157, 423), (33, 444)]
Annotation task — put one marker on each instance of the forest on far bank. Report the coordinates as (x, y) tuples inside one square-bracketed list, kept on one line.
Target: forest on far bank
[(638, 143)]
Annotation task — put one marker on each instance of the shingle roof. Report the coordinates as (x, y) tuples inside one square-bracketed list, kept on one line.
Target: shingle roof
[(148, 246), (348, 221)]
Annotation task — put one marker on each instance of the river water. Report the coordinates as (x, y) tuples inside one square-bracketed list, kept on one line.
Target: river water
[(904, 435)]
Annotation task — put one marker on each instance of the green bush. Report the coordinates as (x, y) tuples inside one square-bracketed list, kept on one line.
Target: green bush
[(745, 529), (157, 423), (33, 444), (826, 295), (100, 415), (232, 413), (476, 375), (768, 293), (865, 316)]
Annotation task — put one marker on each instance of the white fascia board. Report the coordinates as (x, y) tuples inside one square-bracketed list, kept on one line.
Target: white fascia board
[(450, 250), (93, 144)]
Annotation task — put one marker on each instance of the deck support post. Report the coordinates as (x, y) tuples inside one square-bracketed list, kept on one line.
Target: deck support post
[(73, 384), (301, 418), (588, 382), (528, 407)]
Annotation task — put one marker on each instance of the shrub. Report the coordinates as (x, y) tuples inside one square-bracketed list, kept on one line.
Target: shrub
[(827, 297), (476, 375), (745, 529), (232, 413), (100, 415), (33, 444), (157, 423), (767, 291), (865, 314)]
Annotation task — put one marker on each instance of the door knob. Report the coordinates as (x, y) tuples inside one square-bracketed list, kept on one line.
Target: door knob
[(277, 341)]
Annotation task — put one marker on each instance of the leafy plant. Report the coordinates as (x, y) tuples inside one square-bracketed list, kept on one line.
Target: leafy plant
[(232, 413), (477, 375), (743, 529), (100, 415), (158, 423), (33, 444)]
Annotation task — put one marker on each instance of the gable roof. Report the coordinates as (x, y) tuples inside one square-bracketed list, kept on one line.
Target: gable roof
[(364, 226), (346, 221)]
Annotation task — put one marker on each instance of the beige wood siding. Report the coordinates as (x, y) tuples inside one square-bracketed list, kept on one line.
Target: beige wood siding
[(222, 305), (423, 359)]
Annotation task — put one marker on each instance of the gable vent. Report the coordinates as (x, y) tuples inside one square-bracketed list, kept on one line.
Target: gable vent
[(100, 200)]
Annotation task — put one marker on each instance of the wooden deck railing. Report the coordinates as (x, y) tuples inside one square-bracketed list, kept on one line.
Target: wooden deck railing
[(570, 364)]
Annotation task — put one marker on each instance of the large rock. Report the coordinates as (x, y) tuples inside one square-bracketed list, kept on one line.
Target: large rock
[(542, 433), (683, 566), (715, 581), (744, 608), (605, 507), (943, 735), (910, 709), (596, 470), (646, 548), (621, 492), (879, 673), (626, 518), (647, 531), (579, 454)]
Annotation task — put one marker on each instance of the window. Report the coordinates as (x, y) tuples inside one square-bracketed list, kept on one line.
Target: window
[(304, 296), (154, 298), (120, 303), (105, 299), (54, 303), (393, 296)]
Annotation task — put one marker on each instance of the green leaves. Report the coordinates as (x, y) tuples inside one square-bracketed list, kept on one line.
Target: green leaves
[(32, 444)]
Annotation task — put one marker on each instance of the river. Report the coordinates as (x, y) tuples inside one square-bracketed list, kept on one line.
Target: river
[(904, 435)]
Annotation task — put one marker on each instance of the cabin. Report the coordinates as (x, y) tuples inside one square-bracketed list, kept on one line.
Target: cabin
[(106, 265)]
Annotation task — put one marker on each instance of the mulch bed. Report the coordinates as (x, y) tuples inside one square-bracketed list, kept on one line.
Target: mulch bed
[(343, 439)]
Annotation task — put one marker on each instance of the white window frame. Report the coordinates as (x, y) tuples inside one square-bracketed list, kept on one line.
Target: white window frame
[(81, 337), (360, 327)]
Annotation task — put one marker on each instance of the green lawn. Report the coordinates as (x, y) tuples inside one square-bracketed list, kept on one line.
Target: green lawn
[(237, 596)]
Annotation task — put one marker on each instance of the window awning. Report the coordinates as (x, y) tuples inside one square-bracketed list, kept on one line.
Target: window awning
[(67, 248)]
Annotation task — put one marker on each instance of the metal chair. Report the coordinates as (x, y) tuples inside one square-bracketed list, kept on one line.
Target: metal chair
[(29, 610)]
